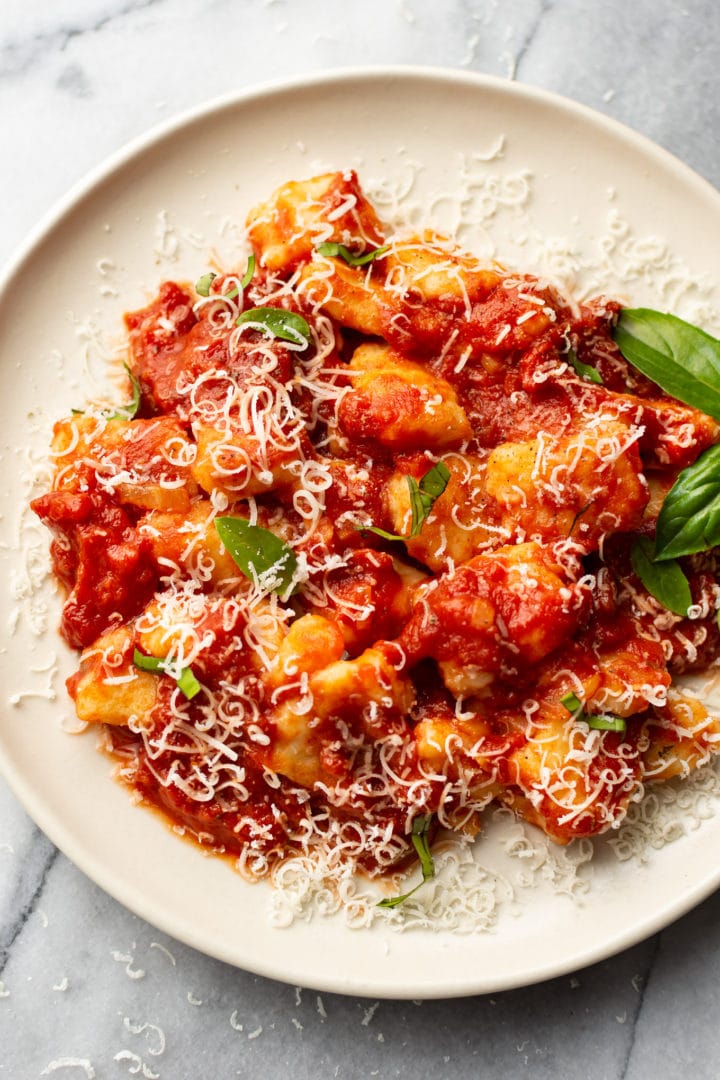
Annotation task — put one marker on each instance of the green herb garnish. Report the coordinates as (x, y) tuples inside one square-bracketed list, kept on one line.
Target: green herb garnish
[(128, 412), (339, 251), (586, 371), (258, 552), (681, 358), (422, 498), (245, 279), (249, 271), (424, 494), (159, 665), (685, 362), (202, 285), (419, 837), (606, 723), (664, 580), (287, 325), (689, 520), (603, 722)]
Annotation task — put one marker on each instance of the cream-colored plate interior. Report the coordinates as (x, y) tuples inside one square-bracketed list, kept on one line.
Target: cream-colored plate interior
[(521, 168)]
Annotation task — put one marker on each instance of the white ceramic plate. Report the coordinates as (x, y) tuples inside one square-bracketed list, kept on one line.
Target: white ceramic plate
[(522, 167)]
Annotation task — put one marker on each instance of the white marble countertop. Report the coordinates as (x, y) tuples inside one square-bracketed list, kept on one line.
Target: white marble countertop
[(86, 988)]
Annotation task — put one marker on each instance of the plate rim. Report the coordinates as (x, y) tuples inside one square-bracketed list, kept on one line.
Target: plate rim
[(60, 835)]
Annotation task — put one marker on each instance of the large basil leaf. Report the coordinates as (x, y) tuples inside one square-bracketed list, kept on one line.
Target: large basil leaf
[(689, 520), (679, 357), (663, 580), (257, 551), (287, 325)]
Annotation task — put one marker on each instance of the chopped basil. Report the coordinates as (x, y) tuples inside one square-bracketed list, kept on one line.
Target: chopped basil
[(258, 552), (602, 722), (249, 271), (422, 498), (287, 325), (187, 683), (202, 285), (127, 412), (689, 519), (586, 371), (424, 494), (606, 723), (663, 580), (339, 251), (419, 837), (382, 532), (245, 280), (681, 358), (571, 702)]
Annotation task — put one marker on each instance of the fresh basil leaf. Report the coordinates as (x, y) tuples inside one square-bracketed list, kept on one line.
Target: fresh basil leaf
[(681, 358), (381, 532), (127, 412), (339, 251), (422, 498), (606, 723), (396, 901), (420, 830), (287, 325), (187, 683), (586, 371), (689, 518), (424, 494), (148, 663), (202, 285), (419, 837), (663, 580), (249, 271), (244, 281), (571, 702), (257, 552), (603, 722)]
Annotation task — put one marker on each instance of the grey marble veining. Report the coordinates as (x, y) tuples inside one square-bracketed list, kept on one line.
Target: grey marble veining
[(79, 975)]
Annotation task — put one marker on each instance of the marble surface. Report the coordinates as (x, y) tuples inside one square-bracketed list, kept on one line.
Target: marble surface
[(86, 988)]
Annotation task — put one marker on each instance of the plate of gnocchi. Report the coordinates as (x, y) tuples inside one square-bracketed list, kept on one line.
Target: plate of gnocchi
[(361, 535)]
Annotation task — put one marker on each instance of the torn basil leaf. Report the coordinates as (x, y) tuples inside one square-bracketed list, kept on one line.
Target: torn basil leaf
[(571, 702), (258, 552), (382, 532), (422, 497), (127, 412), (689, 519), (681, 358), (585, 371), (339, 251), (202, 285), (602, 722), (663, 580), (287, 325), (187, 683), (606, 723), (424, 494), (249, 271), (419, 837)]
